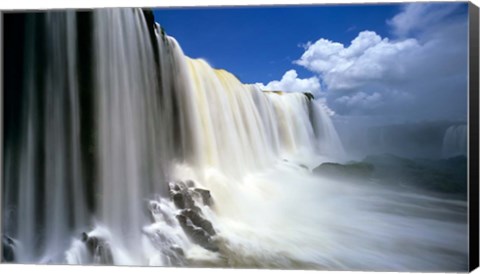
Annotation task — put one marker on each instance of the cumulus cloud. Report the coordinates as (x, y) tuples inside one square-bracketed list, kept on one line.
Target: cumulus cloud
[(368, 58), (420, 72), (291, 83)]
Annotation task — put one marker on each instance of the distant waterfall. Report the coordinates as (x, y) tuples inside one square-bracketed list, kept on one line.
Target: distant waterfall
[(245, 129), (455, 141)]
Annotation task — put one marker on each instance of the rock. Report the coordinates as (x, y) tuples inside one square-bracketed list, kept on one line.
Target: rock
[(98, 248), (8, 249), (206, 196), (309, 96), (149, 17), (195, 226), (199, 230), (190, 183), (179, 251), (181, 194), (199, 221), (354, 170), (103, 254), (179, 200), (177, 186), (152, 27), (303, 166), (175, 256)]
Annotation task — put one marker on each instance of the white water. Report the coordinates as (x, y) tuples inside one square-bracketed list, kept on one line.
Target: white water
[(455, 141), (128, 124), (175, 118)]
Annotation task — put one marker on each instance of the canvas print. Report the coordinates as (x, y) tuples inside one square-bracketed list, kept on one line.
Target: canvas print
[(324, 137)]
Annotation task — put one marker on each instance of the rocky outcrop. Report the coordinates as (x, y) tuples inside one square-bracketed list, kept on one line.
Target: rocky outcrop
[(309, 95), (199, 230), (205, 196), (98, 248), (189, 198), (8, 249)]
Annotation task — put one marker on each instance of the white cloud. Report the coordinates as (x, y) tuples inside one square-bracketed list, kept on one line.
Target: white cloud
[(326, 108), (417, 16), (291, 83), (361, 98), (367, 58), (418, 73)]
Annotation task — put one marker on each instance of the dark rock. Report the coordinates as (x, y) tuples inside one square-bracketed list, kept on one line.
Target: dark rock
[(150, 21), (190, 183), (195, 226), (176, 187), (98, 248), (206, 196), (84, 237), (8, 249), (182, 219), (175, 256), (303, 166), (103, 254), (179, 251), (309, 96), (179, 200), (149, 17), (182, 195), (199, 221), (199, 230)]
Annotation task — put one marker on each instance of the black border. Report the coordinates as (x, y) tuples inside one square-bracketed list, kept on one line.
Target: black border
[(1, 130), (473, 135)]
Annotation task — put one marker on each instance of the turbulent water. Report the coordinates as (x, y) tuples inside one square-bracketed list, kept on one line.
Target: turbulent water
[(162, 160)]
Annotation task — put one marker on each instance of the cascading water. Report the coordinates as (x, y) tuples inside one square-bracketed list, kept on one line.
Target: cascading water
[(129, 126), (48, 184), (183, 165), (455, 141)]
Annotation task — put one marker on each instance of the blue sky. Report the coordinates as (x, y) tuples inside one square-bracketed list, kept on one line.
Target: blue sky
[(258, 44), (378, 60)]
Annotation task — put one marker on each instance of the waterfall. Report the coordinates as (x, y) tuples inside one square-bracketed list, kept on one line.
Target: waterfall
[(455, 141), (129, 126), (245, 129), (46, 180), (119, 149), (154, 108)]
